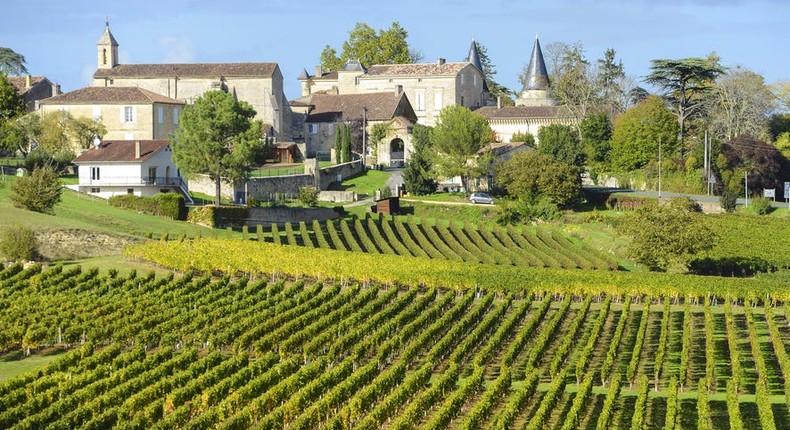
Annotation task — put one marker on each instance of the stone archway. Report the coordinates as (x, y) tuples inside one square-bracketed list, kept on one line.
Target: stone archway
[(397, 152)]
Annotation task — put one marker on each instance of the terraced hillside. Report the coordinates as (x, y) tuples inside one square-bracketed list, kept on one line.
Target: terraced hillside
[(200, 352), (481, 244)]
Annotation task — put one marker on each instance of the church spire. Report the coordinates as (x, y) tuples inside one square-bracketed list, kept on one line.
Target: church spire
[(107, 48), (474, 56), (537, 76)]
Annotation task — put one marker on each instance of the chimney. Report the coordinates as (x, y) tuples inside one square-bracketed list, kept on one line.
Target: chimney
[(136, 149), (318, 71), (28, 82), (499, 102), (440, 61)]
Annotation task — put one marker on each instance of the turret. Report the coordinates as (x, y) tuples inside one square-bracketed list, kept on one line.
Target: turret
[(537, 86), (107, 49)]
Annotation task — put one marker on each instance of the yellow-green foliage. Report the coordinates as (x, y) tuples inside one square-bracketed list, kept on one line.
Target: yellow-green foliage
[(265, 258)]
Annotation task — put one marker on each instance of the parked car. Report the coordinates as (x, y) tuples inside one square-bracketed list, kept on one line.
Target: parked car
[(481, 198)]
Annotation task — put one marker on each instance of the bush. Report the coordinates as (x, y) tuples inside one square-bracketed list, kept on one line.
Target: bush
[(530, 209), (622, 202), (38, 192), (18, 243), (308, 196), (761, 206), (728, 200), (169, 205), (213, 216)]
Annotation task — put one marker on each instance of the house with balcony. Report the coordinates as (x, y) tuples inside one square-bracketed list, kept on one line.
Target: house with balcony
[(138, 167)]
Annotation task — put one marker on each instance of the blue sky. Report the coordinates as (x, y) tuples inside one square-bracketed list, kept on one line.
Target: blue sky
[(58, 38)]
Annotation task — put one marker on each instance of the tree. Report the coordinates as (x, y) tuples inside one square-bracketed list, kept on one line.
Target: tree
[(217, 137), (526, 137), (12, 63), (685, 83), (38, 192), (339, 143), (574, 82), (666, 236), (21, 134), (741, 104), (345, 144), (781, 90), (369, 47), (417, 172), (764, 164), (489, 71), (595, 132), (561, 142), (456, 139), (12, 104), (530, 174), (85, 130), (637, 133), (611, 77)]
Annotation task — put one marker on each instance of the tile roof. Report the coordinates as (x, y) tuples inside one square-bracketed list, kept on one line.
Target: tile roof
[(518, 112), (188, 70), (333, 107), (121, 151), (19, 82), (110, 95), (328, 76), (416, 69)]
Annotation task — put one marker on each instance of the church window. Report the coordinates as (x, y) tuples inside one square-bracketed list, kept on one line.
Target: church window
[(160, 112), (474, 80), (104, 56), (462, 79), (419, 100)]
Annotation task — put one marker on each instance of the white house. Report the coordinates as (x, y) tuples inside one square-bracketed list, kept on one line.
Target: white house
[(139, 167)]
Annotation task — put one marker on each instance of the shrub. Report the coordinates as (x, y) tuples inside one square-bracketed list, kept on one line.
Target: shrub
[(728, 199), (169, 205), (622, 202), (760, 206), (530, 209), (386, 192), (308, 196), (213, 216), (38, 192), (18, 243)]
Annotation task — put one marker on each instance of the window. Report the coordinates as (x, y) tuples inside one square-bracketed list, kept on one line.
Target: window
[(474, 80), (462, 79), (462, 100), (128, 114), (313, 128), (130, 191), (95, 190), (437, 101), (160, 112), (95, 173), (419, 98), (176, 111)]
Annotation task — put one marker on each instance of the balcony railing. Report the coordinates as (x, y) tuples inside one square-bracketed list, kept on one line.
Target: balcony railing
[(109, 181)]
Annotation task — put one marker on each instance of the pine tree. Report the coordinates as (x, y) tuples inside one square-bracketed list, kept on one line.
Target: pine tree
[(338, 144), (345, 147)]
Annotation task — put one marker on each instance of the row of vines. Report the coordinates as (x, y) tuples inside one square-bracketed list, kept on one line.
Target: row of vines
[(195, 351)]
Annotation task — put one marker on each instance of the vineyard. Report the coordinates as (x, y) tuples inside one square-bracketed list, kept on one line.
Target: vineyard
[(264, 352), (454, 242)]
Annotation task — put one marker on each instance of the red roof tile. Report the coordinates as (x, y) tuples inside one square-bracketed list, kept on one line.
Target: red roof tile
[(121, 151), (110, 95), (191, 70)]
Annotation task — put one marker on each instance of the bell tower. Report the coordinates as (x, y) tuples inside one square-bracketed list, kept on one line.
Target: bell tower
[(107, 49)]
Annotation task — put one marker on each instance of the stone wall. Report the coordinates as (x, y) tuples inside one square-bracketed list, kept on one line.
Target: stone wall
[(268, 216), (265, 189), (338, 173), (337, 196)]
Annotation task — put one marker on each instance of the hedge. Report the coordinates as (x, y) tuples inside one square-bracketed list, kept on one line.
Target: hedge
[(169, 205), (218, 216)]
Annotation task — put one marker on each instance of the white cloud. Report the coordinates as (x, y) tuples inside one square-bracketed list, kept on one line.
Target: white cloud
[(177, 49), (86, 74)]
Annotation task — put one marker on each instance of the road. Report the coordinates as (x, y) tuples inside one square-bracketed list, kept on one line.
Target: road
[(695, 197)]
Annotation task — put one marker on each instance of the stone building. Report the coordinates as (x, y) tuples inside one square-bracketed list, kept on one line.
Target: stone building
[(325, 111), (534, 107), (259, 84), (34, 89), (429, 86), (128, 113)]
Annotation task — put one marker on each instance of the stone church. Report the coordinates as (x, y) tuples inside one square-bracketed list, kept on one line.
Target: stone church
[(259, 84)]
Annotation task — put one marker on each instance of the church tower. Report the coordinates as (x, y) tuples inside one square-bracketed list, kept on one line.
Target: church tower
[(107, 49), (536, 90)]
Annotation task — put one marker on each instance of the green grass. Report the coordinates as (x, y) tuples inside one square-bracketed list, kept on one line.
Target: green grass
[(441, 197), (364, 184), (13, 364)]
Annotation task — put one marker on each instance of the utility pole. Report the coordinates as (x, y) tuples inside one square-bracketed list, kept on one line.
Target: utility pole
[(746, 182), (364, 134), (659, 167)]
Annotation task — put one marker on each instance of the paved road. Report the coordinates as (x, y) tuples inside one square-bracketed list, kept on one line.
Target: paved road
[(695, 197)]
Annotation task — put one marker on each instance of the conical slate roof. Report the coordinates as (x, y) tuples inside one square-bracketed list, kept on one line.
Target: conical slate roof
[(474, 56), (304, 75), (537, 76), (106, 37)]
